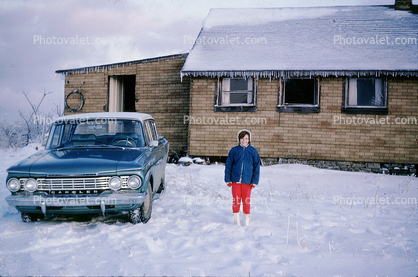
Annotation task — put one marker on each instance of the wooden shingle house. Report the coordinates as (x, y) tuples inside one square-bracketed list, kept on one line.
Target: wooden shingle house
[(323, 83)]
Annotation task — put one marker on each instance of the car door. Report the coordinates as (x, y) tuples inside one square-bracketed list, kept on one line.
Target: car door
[(157, 168)]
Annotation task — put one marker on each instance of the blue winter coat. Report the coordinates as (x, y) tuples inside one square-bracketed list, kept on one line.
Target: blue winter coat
[(242, 165)]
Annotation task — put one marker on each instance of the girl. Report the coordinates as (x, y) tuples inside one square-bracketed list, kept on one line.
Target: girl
[(242, 172)]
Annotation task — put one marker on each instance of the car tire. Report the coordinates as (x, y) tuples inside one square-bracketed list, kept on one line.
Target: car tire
[(162, 186), (27, 217), (143, 213)]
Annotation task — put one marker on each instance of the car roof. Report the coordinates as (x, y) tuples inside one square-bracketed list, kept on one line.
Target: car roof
[(108, 115)]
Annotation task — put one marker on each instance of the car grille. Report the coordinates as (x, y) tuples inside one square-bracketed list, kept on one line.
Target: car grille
[(77, 185)]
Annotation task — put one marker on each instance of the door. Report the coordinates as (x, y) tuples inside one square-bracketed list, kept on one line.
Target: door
[(159, 166), (122, 93)]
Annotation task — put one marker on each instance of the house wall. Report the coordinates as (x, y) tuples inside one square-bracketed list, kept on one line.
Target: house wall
[(317, 136), (159, 92)]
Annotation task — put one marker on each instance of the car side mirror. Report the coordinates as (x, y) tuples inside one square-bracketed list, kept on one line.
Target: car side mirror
[(153, 143)]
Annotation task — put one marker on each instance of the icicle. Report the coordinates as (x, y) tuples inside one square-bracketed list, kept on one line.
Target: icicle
[(295, 73)]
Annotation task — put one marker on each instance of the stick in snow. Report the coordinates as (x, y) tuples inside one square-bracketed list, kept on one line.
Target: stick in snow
[(288, 229)]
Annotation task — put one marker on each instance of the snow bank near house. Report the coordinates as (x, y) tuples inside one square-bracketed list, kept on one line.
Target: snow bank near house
[(336, 228)]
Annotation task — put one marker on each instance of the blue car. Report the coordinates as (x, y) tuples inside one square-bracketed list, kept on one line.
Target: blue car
[(94, 163)]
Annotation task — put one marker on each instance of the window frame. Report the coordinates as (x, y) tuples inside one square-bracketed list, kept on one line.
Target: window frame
[(298, 108), (365, 109), (150, 130), (235, 107)]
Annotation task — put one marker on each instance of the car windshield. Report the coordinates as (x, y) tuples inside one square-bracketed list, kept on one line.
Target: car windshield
[(98, 132)]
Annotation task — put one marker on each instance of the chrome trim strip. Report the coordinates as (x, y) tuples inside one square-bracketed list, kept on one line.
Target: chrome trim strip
[(100, 183)]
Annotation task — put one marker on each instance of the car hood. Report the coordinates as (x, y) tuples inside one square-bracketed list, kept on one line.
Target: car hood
[(80, 161)]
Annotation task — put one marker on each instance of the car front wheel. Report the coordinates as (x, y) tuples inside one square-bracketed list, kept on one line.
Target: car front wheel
[(26, 217), (143, 213)]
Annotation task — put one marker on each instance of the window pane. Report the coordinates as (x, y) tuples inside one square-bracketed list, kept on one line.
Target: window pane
[(369, 92), (366, 92), (238, 98), (300, 91), (67, 132), (238, 84), (237, 91), (56, 136), (153, 130), (150, 130)]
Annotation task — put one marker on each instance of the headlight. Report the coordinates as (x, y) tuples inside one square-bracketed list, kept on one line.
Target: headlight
[(13, 184), (134, 182), (115, 183), (31, 185)]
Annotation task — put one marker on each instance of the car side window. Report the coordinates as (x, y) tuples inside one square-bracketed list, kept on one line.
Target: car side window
[(151, 130), (67, 133), (54, 139)]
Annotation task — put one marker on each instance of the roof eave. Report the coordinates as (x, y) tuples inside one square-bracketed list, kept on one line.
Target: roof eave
[(108, 67), (298, 73)]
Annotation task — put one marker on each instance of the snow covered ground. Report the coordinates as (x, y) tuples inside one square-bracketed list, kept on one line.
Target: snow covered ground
[(306, 222)]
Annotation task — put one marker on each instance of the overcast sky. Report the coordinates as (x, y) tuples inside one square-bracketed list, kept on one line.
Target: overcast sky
[(37, 38)]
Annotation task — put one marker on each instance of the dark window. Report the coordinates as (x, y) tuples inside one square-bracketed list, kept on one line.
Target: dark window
[(298, 95), (300, 91)]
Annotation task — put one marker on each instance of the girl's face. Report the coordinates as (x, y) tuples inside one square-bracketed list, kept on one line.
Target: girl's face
[(244, 141)]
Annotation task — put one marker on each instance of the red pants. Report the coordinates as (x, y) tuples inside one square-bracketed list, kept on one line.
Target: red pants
[(241, 191)]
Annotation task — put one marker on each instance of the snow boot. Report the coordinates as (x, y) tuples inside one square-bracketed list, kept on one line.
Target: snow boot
[(246, 219), (236, 219)]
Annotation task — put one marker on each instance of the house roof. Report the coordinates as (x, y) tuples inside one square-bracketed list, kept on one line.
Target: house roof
[(108, 67), (321, 41), (103, 115)]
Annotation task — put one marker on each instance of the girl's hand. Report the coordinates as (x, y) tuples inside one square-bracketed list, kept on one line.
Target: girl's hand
[(229, 184)]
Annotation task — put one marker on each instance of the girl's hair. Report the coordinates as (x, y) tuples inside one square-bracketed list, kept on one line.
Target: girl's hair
[(242, 134)]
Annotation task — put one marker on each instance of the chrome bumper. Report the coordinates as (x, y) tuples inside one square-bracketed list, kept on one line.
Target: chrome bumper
[(23, 202)]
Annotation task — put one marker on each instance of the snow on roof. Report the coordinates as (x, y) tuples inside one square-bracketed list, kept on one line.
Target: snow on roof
[(108, 67), (274, 42)]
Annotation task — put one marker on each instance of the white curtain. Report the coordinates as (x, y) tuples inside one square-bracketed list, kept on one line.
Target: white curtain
[(378, 101), (225, 90), (250, 84), (116, 94), (250, 89), (226, 84), (352, 92)]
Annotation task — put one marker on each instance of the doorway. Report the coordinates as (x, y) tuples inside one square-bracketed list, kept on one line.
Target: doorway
[(122, 93)]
